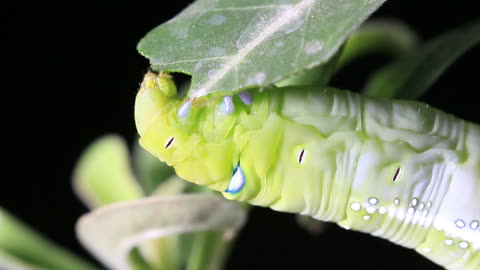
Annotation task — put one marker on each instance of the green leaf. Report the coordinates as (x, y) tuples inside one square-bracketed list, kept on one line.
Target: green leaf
[(378, 36), (164, 253), (12, 263), (209, 249), (231, 45), (103, 173), (112, 231), (386, 36), (138, 262), (150, 170), (319, 75), (172, 186), (410, 76), (22, 247)]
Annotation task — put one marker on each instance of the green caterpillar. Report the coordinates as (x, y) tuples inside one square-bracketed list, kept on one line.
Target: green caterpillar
[(399, 170)]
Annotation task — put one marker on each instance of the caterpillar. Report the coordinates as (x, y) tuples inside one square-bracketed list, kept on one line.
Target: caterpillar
[(399, 170)]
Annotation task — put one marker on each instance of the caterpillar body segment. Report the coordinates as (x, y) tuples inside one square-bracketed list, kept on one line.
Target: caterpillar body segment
[(399, 170)]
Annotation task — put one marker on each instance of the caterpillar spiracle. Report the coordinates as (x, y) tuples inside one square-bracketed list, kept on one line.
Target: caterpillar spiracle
[(399, 170)]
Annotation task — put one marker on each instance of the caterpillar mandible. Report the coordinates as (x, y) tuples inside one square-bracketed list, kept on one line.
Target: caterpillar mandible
[(399, 170)]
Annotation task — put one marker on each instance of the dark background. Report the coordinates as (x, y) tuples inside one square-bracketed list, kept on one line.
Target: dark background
[(89, 76)]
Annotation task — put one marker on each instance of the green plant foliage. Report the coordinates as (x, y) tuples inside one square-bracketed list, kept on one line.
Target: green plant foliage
[(377, 36), (112, 231), (410, 76), (319, 75), (103, 173), (21, 248), (208, 250), (230, 45), (386, 36), (10, 262)]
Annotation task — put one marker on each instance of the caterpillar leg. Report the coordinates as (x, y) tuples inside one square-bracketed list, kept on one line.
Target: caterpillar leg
[(184, 109), (227, 105), (246, 97)]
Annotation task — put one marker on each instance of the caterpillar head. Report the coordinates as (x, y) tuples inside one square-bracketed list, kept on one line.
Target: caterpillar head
[(183, 134), (153, 98)]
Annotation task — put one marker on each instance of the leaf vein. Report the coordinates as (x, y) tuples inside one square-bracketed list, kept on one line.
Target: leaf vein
[(189, 60), (277, 24), (302, 42), (247, 8)]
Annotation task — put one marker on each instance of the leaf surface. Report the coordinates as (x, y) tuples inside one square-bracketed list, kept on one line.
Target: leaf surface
[(229, 45), (22, 248), (410, 76), (112, 231), (103, 173)]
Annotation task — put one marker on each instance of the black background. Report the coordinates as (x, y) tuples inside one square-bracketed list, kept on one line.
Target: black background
[(88, 78)]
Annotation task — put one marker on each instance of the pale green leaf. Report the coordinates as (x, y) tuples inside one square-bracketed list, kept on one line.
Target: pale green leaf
[(103, 173), (164, 253), (231, 45), (410, 76), (112, 231), (20, 247), (319, 75), (377, 36), (386, 36), (9, 262), (209, 249)]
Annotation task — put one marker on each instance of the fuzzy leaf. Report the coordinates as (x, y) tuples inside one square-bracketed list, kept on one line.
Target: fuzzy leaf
[(112, 231), (229, 45), (103, 173), (319, 75)]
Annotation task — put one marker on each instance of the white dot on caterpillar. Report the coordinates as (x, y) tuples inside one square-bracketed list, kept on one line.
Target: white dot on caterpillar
[(355, 206), (184, 109), (414, 202), (460, 223), (396, 201), (429, 204), (301, 156), (366, 217), (246, 97), (421, 206), (382, 210), (227, 105), (169, 142), (474, 225), (448, 242), (371, 209), (397, 174), (426, 249), (463, 244), (373, 200)]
